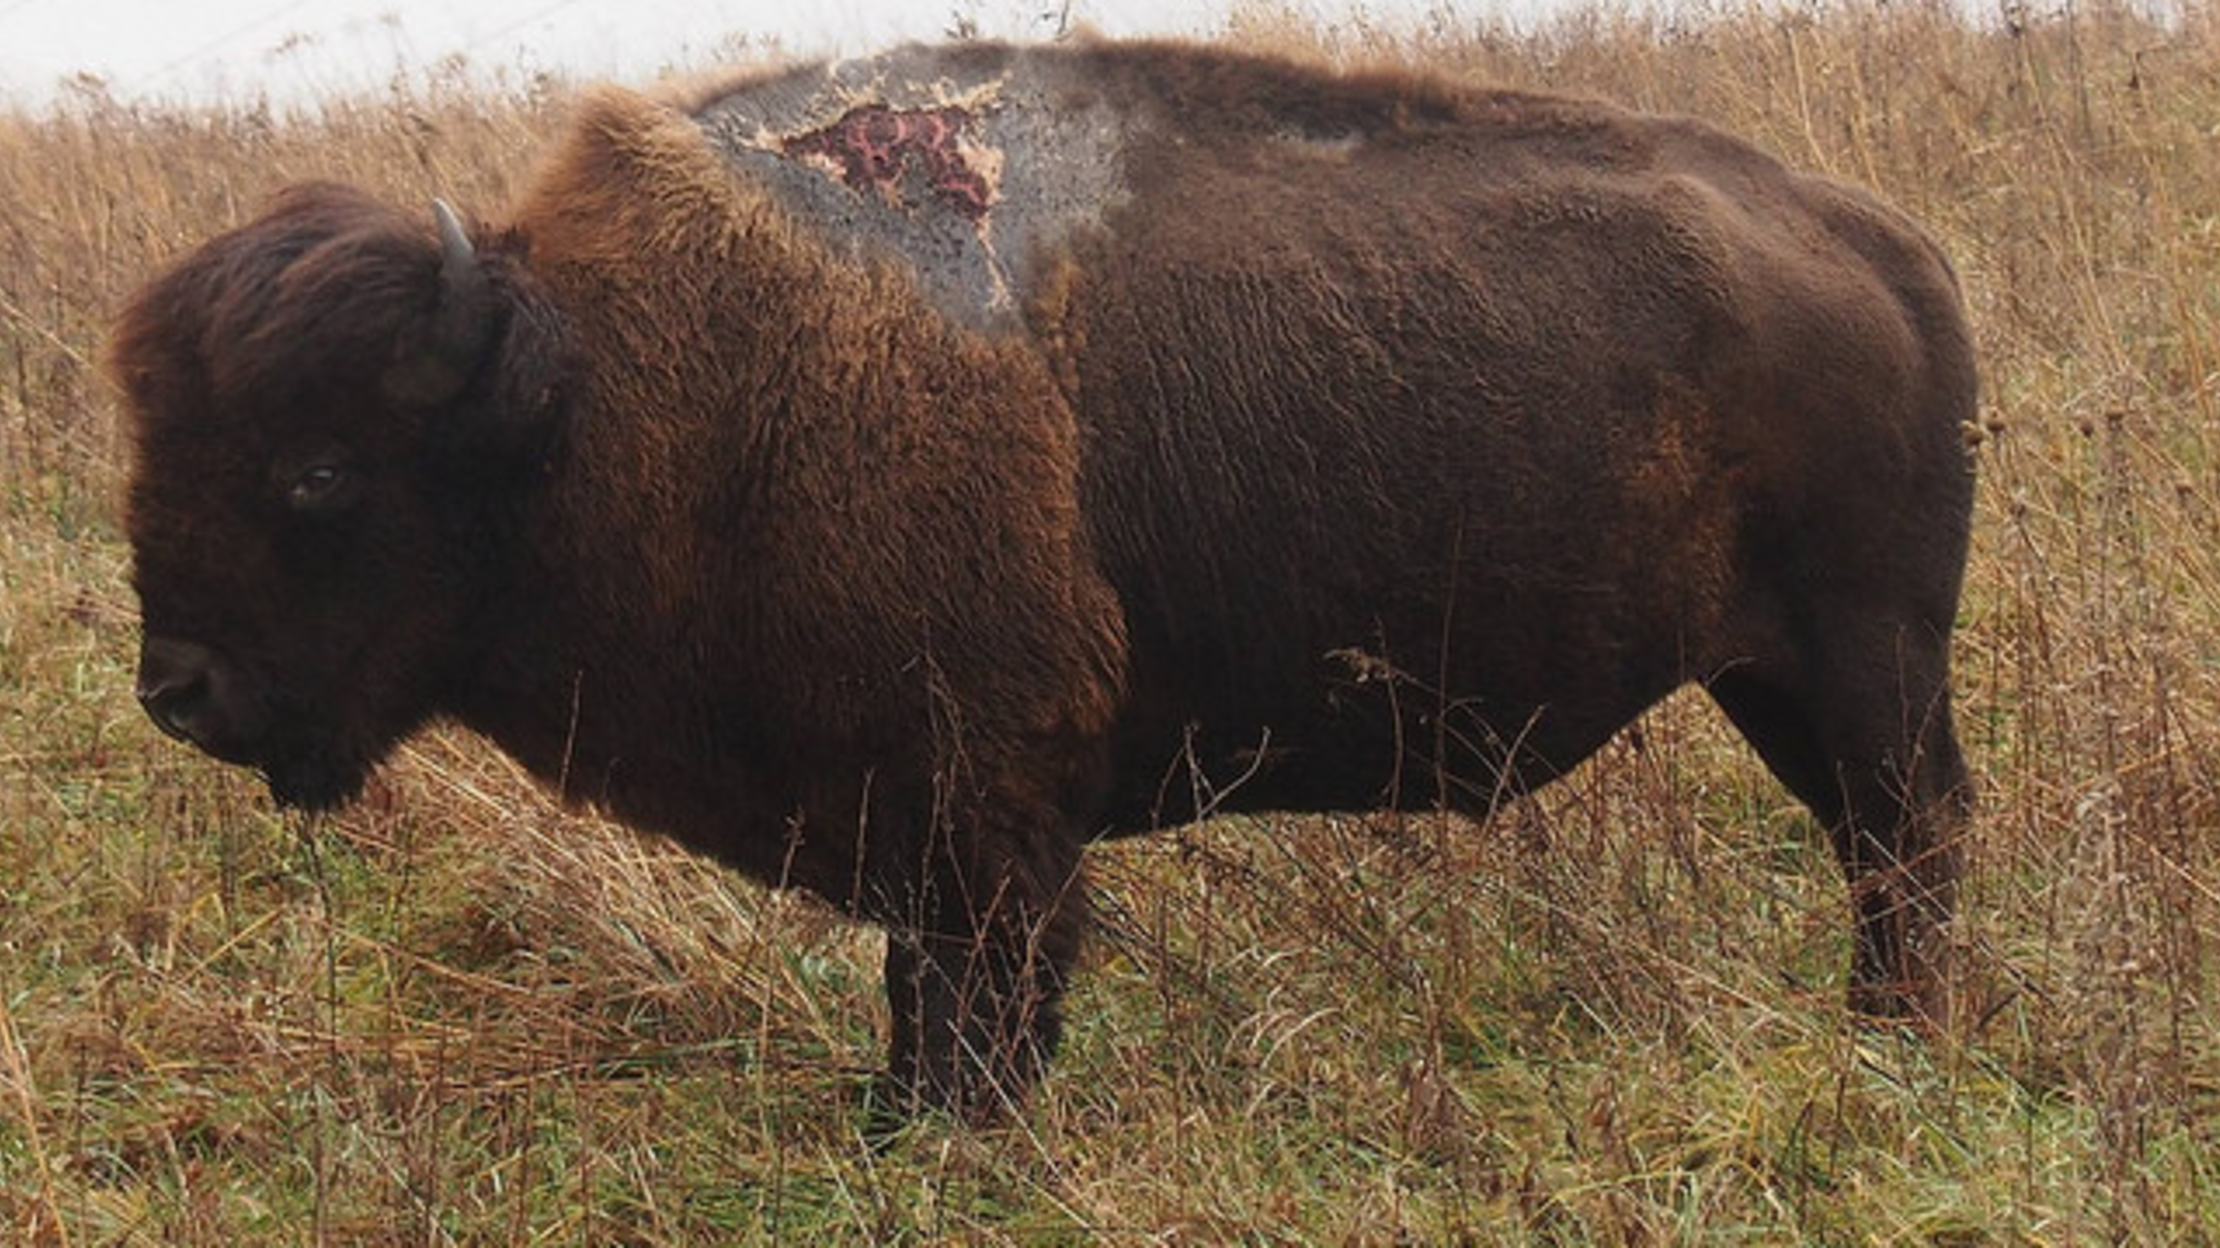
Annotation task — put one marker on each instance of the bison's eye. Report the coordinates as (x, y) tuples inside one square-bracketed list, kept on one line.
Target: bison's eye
[(321, 488)]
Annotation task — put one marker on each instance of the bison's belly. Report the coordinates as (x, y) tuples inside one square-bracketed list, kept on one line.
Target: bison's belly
[(1291, 696)]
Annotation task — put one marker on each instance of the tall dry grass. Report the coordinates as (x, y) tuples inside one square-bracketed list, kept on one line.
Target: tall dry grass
[(457, 1014)]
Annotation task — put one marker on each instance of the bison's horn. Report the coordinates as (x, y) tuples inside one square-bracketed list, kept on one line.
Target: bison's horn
[(440, 364), (456, 253)]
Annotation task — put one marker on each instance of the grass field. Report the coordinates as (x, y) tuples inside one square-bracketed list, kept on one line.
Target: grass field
[(457, 1014)]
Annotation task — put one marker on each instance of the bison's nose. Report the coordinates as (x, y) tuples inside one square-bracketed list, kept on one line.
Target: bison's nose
[(177, 686)]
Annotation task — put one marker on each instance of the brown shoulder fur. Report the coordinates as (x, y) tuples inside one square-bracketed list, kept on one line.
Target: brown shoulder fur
[(862, 524)]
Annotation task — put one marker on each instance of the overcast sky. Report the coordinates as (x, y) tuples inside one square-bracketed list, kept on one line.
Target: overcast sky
[(199, 49)]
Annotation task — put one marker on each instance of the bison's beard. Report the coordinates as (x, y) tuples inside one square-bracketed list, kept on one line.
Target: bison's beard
[(319, 752), (306, 776), (313, 789)]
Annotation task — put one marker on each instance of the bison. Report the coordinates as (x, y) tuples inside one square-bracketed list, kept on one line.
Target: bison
[(888, 477)]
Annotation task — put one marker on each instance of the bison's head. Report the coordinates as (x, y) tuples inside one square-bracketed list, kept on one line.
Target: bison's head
[(338, 410)]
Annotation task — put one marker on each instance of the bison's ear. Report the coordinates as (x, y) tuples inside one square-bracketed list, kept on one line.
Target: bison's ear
[(493, 352), (432, 368)]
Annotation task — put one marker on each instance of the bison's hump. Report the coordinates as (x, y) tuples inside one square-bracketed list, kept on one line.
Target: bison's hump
[(967, 165)]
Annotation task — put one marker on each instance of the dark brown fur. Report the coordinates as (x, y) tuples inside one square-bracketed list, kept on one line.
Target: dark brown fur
[(1385, 444)]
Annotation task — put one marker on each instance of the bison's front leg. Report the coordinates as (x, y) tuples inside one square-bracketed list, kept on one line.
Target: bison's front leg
[(975, 973)]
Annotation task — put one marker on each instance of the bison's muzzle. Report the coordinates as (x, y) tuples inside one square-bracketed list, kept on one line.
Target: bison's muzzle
[(196, 697), (199, 697)]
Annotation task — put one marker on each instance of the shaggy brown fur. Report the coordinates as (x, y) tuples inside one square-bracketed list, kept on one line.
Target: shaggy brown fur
[(1353, 442)]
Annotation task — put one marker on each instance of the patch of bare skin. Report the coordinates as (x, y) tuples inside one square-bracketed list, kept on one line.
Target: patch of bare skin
[(1331, 147), (877, 148)]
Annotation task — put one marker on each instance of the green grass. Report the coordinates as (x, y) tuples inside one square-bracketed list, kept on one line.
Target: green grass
[(458, 1014)]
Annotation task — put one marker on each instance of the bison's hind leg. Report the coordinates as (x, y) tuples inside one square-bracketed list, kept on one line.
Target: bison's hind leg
[(1862, 734)]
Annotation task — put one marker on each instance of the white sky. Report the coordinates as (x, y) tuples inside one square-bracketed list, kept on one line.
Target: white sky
[(239, 49)]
